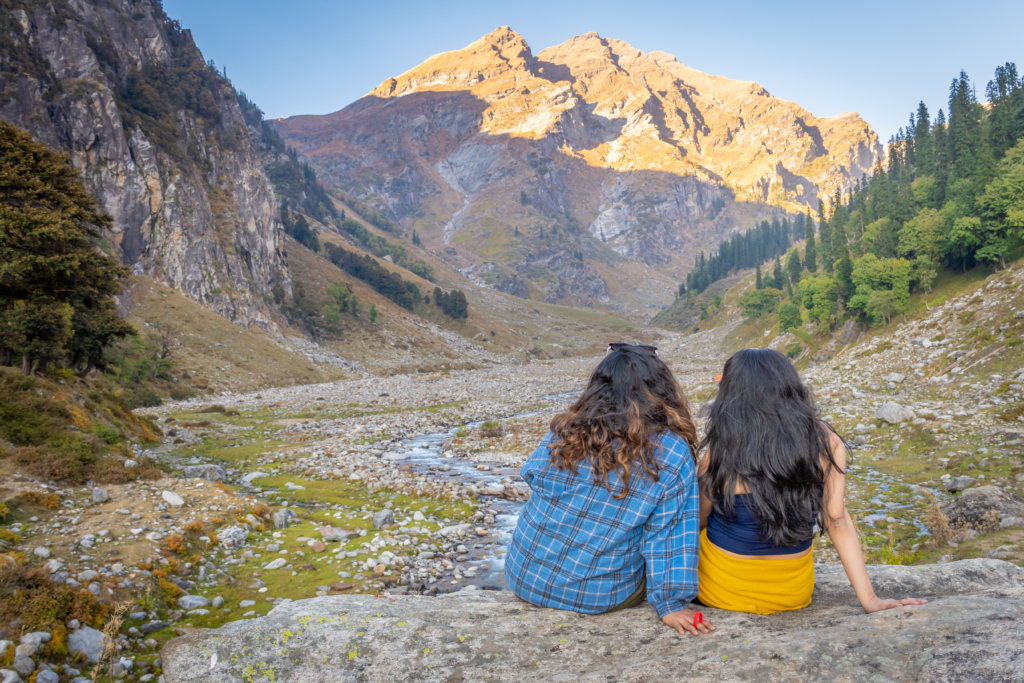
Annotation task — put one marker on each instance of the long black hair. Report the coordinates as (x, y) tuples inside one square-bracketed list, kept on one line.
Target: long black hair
[(631, 398), (763, 431)]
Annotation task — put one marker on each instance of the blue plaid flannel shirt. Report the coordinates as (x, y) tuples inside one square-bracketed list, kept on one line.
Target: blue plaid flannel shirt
[(577, 548)]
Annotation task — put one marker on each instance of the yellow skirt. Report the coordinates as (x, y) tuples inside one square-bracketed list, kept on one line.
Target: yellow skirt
[(755, 586)]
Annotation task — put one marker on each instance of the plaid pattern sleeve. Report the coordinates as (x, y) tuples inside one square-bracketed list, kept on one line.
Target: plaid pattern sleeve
[(576, 547)]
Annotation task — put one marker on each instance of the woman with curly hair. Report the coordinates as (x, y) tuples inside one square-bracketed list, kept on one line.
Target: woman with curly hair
[(773, 471), (613, 519)]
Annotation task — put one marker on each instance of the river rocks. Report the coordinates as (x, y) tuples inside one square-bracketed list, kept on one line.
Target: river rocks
[(971, 507), (231, 536), (383, 518), (188, 602), (207, 472), (830, 640), (173, 498), (894, 413), (87, 641)]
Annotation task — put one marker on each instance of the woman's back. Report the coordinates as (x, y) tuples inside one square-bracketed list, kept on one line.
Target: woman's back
[(578, 547), (742, 533)]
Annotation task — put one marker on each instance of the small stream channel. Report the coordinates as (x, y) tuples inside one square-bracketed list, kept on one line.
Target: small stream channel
[(426, 456)]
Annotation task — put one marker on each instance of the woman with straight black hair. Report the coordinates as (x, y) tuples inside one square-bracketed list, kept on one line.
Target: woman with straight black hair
[(613, 517), (773, 469)]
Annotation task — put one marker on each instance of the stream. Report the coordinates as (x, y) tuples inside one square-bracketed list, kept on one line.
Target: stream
[(426, 457)]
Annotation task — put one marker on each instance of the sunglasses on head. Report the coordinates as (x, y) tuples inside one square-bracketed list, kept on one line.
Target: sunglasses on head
[(645, 349)]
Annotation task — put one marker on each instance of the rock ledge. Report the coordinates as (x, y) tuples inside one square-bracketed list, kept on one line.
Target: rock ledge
[(973, 629)]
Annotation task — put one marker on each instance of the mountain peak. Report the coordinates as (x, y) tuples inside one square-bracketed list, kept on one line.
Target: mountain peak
[(499, 51)]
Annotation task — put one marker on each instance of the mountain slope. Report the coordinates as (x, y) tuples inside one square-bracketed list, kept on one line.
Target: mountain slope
[(542, 175), (159, 138)]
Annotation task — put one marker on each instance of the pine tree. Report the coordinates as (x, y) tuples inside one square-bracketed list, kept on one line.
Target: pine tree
[(941, 163), (923, 144), (810, 254), (56, 288), (778, 275), (793, 266), (757, 281), (825, 236), (373, 313)]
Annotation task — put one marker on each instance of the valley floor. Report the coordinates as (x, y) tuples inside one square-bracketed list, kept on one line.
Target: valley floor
[(409, 483)]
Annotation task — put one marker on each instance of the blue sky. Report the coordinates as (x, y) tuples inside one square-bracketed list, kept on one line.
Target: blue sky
[(876, 58)]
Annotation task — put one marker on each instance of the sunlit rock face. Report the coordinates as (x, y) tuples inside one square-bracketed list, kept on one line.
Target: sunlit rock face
[(192, 205), (591, 147)]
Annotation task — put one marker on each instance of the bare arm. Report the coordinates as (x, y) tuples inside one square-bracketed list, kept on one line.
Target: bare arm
[(844, 537)]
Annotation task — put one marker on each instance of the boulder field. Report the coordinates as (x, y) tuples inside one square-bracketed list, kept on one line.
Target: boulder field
[(971, 630)]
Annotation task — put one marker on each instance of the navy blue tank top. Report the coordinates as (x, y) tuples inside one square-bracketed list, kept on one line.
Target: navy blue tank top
[(742, 533)]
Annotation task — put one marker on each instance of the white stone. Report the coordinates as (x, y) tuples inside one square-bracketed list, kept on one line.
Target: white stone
[(173, 498), (277, 564)]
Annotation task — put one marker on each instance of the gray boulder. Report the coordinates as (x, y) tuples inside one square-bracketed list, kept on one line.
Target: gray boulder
[(192, 602), (47, 676), (1012, 523), (24, 665), (87, 641), (971, 506), (474, 634), (383, 518), (207, 472), (959, 483), (100, 496), (894, 413), (282, 518), (895, 377)]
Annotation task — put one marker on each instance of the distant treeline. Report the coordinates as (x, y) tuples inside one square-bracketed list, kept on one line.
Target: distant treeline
[(378, 246), (366, 268), (746, 250)]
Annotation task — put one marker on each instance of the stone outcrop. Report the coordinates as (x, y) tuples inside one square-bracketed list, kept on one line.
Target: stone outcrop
[(983, 504), (971, 630), (532, 169), (191, 202)]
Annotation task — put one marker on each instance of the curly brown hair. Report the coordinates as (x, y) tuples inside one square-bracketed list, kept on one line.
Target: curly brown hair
[(631, 399)]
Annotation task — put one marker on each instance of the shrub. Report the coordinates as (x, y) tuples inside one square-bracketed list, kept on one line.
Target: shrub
[(793, 351), (106, 433), (43, 605), (50, 501), (491, 430)]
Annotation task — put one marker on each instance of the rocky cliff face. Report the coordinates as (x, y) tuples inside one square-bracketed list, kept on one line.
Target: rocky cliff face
[(160, 139), (592, 148)]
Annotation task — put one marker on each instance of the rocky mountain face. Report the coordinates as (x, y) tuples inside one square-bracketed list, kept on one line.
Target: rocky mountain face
[(160, 139), (541, 174)]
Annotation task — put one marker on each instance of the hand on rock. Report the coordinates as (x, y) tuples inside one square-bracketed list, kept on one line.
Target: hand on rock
[(683, 621), (877, 604)]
